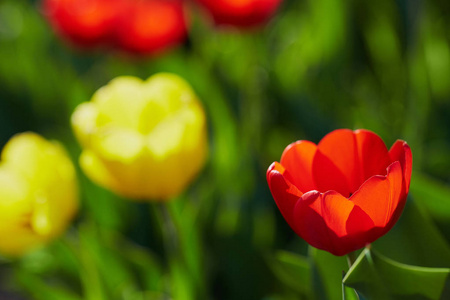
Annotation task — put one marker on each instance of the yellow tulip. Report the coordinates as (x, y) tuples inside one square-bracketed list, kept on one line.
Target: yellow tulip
[(145, 140), (38, 193)]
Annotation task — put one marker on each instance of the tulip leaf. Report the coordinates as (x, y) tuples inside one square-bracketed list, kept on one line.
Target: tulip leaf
[(187, 259), (349, 294), (434, 195), (106, 274), (42, 289), (415, 239), (145, 265), (378, 277), (181, 287), (327, 274), (293, 270)]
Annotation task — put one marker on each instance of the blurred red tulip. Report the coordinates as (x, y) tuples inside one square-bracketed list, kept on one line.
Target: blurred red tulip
[(85, 23), (343, 193), (151, 26), (241, 13)]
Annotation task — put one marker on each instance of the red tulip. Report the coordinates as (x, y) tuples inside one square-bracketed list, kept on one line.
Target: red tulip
[(151, 26), (343, 193), (85, 23), (241, 13)]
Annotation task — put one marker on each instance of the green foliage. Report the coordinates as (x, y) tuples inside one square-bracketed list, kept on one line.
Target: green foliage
[(416, 232), (327, 273), (377, 277), (433, 195), (294, 271)]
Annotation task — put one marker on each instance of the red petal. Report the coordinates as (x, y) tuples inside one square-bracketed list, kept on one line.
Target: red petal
[(309, 223), (149, 27), (334, 166), (372, 153), (328, 177), (356, 157), (285, 193), (331, 222), (401, 152), (297, 158), (379, 196)]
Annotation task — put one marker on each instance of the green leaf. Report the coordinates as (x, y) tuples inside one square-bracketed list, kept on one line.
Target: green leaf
[(180, 281), (327, 274), (293, 270), (433, 195), (378, 277), (348, 293), (42, 289), (188, 252), (415, 239), (145, 264), (106, 273)]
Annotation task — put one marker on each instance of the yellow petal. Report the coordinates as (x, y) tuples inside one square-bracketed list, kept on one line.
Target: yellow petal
[(23, 153), (118, 144), (84, 122), (38, 192), (171, 90), (95, 169), (122, 178), (166, 138), (14, 197), (40, 219), (120, 102), (195, 122)]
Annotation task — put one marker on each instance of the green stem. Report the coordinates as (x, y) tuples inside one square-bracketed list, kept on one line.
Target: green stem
[(351, 258), (169, 231), (186, 280)]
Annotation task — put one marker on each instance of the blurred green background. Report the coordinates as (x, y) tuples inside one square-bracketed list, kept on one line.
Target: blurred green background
[(317, 66)]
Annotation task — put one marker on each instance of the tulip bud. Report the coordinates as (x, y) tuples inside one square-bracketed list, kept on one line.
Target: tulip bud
[(39, 194), (142, 139), (240, 13)]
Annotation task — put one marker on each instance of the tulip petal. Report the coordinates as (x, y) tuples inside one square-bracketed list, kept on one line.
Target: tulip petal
[(151, 26), (95, 169), (331, 222), (120, 102), (25, 152), (240, 13), (40, 220), (117, 144), (333, 208), (297, 158), (347, 158), (359, 226), (309, 223), (401, 152), (38, 192), (284, 192), (334, 165), (14, 197), (84, 122), (85, 23), (30, 154), (328, 177), (15, 210), (121, 177), (372, 153), (157, 142), (379, 196)]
